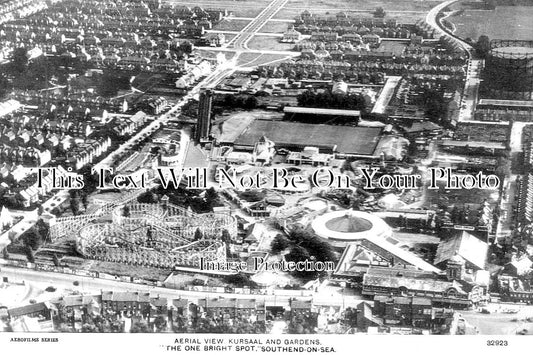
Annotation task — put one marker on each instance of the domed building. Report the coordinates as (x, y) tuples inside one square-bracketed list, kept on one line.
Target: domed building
[(342, 227)]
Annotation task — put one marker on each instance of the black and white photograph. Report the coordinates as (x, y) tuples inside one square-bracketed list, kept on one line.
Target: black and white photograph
[(266, 176)]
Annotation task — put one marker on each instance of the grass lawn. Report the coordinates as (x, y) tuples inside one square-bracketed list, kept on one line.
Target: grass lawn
[(269, 43), (231, 25), (275, 27), (506, 22), (393, 46)]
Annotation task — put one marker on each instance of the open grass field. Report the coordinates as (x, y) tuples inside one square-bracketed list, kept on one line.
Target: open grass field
[(231, 25), (393, 46), (269, 43), (275, 27), (506, 22), (239, 8)]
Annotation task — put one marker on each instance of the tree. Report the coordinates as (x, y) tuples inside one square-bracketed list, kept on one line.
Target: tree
[(20, 59), (298, 253), (198, 234), (160, 323), (350, 317), (240, 280), (89, 328), (30, 255), (148, 197), (5, 85), (482, 46), (84, 199), (225, 237), (379, 12), (140, 327), (56, 260), (32, 238), (250, 102), (211, 197), (186, 47), (5, 253), (279, 244), (126, 211), (75, 205)]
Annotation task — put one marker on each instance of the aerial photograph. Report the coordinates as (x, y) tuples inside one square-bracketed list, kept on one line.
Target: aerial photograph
[(266, 167)]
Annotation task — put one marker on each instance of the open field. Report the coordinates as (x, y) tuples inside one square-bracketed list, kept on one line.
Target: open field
[(506, 22), (239, 8), (393, 46), (231, 25), (275, 27), (269, 43)]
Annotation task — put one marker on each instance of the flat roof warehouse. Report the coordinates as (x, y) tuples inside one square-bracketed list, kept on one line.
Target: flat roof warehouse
[(356, 141)]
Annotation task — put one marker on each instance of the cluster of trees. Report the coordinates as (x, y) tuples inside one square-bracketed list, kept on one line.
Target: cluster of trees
[(302, 246), (327, 99), (302, 324), (21, 73), (15, 201), (235, 326), (247, 102), (148, 197), (240, 280), (111, 82), (99, 324), (434, 104), (379, 12), (78, 198), (197, 200)]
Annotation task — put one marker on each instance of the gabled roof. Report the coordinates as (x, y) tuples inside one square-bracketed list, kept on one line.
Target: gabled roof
[(465, 245)]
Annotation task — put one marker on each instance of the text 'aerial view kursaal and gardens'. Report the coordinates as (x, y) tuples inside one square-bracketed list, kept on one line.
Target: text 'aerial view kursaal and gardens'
[(266, 167)]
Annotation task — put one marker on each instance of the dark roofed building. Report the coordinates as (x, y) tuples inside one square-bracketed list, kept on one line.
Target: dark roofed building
[(412, 283), (129, 302), (45, 310), (343, 140)]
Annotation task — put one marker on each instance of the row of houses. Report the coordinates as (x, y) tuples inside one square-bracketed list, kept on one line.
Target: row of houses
[(306, 23), (344, 19), (313, 68), (354, 34), (411, 54), (78, 156), (72, 311), (86, 100), (14, 9)]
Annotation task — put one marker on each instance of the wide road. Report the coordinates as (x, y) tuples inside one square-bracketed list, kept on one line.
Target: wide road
[(241, 40), (96, 285)]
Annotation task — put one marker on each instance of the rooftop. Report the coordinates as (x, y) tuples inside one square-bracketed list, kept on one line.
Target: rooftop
[(342, 139), (464, 245), (321, 111)]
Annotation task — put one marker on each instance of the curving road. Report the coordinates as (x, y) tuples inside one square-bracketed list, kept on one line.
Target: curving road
[(473, 70)]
